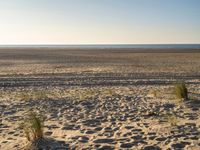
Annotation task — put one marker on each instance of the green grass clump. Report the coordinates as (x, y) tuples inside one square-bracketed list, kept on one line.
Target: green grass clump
[(181, 90), (33, 126)]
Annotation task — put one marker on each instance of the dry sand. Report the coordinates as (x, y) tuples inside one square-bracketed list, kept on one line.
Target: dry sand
[(101, 99)]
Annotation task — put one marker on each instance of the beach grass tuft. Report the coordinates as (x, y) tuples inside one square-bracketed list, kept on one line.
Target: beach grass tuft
[(181, 90), (33, 126)]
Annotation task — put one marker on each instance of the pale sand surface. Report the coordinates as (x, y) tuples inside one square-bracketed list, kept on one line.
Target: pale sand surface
[(100, 99)]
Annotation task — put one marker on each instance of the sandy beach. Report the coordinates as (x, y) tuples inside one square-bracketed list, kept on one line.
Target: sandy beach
[(101, 98)]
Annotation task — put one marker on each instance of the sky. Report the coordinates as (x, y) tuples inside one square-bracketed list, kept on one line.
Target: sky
[(99, 21)]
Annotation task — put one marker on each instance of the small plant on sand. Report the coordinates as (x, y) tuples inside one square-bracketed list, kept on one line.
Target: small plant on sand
[(24, 96), (155, 93), (32, 126), (108, 92), (172, 120), (40, 94), (181, 90)]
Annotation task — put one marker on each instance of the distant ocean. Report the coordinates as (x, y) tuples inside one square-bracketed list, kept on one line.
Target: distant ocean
[(108, 46)]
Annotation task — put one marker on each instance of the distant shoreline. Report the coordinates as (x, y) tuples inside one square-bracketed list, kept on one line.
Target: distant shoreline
[(29, 50), (110, 46)]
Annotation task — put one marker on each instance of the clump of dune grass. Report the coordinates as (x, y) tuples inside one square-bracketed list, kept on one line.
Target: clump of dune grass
[(33, 126), (181, 90)]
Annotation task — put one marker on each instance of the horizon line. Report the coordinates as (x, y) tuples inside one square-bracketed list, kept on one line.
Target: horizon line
[(99, 44)]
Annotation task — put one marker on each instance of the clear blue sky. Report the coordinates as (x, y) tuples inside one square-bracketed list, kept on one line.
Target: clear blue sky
[(99, 21)]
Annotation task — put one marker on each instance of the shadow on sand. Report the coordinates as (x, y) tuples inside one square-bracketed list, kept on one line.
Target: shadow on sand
[(194, 101), (47, 143)]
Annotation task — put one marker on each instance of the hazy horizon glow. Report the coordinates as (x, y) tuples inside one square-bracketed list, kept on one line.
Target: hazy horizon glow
[(99, 21)]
